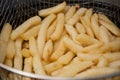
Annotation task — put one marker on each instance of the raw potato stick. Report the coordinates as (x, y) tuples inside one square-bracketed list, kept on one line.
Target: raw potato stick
[(4, 37), (72, 69), (59, 27), (33, 32), (56, 9), (43, 32), (24, 26)]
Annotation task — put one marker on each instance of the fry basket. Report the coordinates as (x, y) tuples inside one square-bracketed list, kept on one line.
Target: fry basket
[(17, 11)]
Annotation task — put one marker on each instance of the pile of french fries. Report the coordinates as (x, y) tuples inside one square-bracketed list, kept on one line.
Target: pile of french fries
[(68, 41)]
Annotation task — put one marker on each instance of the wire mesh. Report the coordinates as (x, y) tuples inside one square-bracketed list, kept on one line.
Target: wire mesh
[(17, 11)]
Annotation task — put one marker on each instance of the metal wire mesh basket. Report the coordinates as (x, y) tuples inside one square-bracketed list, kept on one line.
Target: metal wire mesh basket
[(17, 11)]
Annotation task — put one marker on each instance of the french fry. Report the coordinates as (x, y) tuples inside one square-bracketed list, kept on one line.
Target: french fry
[(33, 47), (56, 9), (11, 49), (65, 59), (24, 26), (87, 27), (58, 52), (18, 56), (5, 32), (72, 69), (33, 32), (95, 25), (112, 28), (8, 62), (71, 31), (70, 13), (28, 64), (47, 50), (86, 40), (89, 57), (91, 47), (37, 65), (71, 45), (4, 37), (102, 62), (76, 59), (112, 56), (80, 28), (26, 53), (52, 67), (115, 64), (96, 72), (43, 32), (3, 48), (59, 27), (75, 18), (66, 9), (51, 29), (104, 34)]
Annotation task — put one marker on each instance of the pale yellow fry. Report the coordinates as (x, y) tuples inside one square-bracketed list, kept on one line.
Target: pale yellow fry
[(43, 32), (112, 56), (26, 78), (80, 28), (8, 62), (18, 60), (33, 32), (5, 32), (58, 52), (26, 53), (88, 15), (91, 47), (55, 9), (48, 49), (70, 13), (59, 27), (87, 27), (52, 67), (66, 9), (76, 59), (28, 64), (115, 64), (3, 48), (103, 17), (71, 45), (11, 49), (89, 57), (96, 72), (51, 29), (86, 40), (104, 34), (112, 28), (71, 31), (65, 59), (103, 62), (33, 47), (75, 18), (37, 65), (24, 26), (72, 69), (95, 25)]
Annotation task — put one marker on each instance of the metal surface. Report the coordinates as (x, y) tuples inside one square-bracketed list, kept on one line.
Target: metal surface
[(17, 11)]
